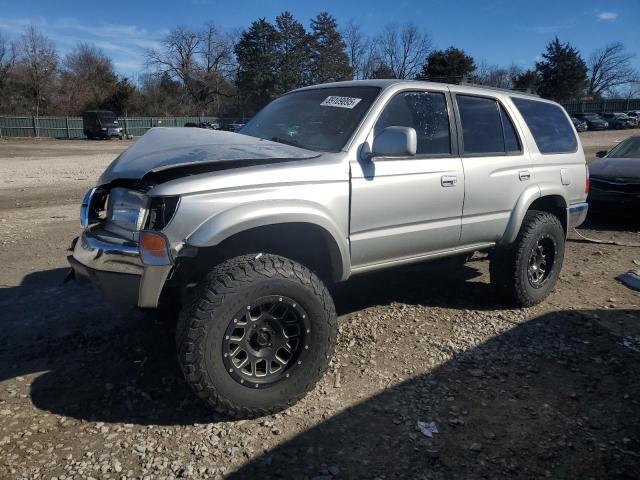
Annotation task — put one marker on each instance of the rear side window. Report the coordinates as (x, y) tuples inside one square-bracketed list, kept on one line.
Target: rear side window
[(511, 140), (549, 126), (481, 125), (486, 127)]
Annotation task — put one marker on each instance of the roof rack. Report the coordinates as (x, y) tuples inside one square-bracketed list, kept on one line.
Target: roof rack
[(463, 80)]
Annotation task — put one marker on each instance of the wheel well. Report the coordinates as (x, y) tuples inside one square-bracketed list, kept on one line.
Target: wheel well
[(553, 204), (305, 243)]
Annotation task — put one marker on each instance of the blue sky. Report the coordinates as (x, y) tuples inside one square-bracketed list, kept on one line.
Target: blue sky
[(497, 31)]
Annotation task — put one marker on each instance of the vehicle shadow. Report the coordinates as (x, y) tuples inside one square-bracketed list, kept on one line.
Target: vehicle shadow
[(557, 396), (107, 365), (441, 283)]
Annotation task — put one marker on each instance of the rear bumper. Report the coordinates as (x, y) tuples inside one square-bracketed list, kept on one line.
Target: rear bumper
[(113, 264), (577, 214)]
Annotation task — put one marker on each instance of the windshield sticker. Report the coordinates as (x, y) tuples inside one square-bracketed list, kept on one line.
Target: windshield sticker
[(340, 102)]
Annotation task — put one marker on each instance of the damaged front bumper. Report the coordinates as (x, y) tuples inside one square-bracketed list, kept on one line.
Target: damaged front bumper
[(114, 265)]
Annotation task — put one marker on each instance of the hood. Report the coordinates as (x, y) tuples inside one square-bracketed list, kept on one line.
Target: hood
[(161, 149), (612, 168)]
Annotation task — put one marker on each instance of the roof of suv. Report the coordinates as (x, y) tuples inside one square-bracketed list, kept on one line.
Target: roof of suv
[(386, 83)]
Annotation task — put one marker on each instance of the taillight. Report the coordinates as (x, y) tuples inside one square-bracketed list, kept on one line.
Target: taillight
[(586, 183)]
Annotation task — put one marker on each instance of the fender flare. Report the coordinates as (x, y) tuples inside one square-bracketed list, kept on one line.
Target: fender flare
[(530, 195), (244, 217)]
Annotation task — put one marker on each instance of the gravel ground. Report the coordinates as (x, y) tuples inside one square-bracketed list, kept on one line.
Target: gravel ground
[(87, 391)]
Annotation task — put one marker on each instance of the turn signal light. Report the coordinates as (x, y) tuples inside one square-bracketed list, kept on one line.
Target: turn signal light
[(154, 249)]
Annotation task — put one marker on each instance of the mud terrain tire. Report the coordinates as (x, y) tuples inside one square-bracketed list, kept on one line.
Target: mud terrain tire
[(225, 295), (525, 272)]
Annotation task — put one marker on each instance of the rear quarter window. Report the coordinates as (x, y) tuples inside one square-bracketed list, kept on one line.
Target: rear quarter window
[(549, 126)]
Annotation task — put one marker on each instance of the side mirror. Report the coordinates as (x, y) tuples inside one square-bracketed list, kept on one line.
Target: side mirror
[(395, 142), (601, 153)]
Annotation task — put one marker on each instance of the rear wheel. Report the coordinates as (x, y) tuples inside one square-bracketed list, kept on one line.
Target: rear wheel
[(526, 272), (257, 335)]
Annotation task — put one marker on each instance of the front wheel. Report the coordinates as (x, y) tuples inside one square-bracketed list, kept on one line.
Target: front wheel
[(257, 335), (526, 272)]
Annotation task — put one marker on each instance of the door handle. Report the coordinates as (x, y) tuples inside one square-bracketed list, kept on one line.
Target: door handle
[(448, 180), (524, 175)]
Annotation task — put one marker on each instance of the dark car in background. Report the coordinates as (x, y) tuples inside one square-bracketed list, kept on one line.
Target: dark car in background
[(101, 124), (581, 125), (618, 120), (593, 121), (205, 125), (232, 127), (615, 179)]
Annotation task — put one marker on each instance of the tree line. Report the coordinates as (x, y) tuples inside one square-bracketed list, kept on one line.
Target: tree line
[(206, 71)]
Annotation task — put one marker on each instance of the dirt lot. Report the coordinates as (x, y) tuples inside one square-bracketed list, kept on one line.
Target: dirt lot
[(90, 392)]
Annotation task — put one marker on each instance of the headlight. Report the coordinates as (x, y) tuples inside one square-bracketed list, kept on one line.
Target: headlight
[(127, 208)]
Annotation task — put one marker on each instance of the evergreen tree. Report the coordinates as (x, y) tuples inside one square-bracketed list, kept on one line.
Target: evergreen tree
[(562, 72), (293, 51), (383, 71), (526, 81), (329, 62), (448, 65), (257, 56)]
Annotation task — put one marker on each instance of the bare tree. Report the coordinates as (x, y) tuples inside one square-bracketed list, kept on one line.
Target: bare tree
[(37, 65), (7, 60), (88, 78), (403, 49), (200, 60), (495, 75), (610, 67), (357, 46)]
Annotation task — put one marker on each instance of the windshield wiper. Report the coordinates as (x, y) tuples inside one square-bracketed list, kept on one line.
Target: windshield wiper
[(286, 142)]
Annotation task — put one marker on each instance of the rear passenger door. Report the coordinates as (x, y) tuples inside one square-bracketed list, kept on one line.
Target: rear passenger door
[(496, 168)]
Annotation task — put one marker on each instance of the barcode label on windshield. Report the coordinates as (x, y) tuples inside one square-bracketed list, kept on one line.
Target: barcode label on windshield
[(341, 102)]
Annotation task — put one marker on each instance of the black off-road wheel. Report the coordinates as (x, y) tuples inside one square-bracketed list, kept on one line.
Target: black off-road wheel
[(257, 335), (526, 272)]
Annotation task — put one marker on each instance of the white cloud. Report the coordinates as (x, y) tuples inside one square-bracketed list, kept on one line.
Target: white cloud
[(123, 43), (607, 16)]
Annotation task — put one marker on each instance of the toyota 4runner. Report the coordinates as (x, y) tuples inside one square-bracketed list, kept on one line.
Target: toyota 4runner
[(245, 230)]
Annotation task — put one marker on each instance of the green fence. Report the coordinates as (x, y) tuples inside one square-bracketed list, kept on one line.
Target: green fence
[(603, 106), (71, 127)]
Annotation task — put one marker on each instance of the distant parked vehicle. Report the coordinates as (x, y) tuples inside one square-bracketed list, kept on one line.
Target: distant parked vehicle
[(615, 178), (593, 121), (634, 115), (618, 120), (205, 125), (581, 125), (101, 124), (232, 127)]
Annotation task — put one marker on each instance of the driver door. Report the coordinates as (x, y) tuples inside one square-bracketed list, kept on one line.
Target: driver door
[(405, 208)]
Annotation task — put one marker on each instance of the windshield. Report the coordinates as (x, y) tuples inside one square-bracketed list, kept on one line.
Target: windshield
[(630, 148), (107, 119), (320, 119)]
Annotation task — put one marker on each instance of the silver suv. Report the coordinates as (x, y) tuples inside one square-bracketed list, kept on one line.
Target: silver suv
[(243, 231)]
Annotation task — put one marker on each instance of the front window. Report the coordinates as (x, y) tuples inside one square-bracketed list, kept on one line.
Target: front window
[(321, 119), (426, 113)]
